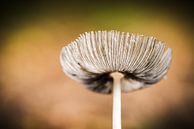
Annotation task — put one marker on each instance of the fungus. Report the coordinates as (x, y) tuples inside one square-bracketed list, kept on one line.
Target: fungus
[(112, 61)]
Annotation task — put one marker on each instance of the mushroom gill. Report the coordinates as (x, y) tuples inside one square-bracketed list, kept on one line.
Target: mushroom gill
[(93, 56)]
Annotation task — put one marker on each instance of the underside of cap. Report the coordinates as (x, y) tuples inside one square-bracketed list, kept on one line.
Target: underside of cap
[(93, 56)]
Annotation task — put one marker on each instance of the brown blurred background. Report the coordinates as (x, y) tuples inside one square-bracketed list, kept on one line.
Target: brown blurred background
[(34, 92)]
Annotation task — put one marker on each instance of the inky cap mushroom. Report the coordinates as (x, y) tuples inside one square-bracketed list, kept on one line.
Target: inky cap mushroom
[(111, 61), (93, 56)]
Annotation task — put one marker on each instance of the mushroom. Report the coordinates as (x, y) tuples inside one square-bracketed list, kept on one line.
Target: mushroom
[(112, 61)]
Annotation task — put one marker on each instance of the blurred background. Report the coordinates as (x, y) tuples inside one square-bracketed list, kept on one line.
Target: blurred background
[(34, 92)]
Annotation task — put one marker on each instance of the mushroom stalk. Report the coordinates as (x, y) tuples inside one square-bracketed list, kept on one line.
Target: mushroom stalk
[(116, 118)]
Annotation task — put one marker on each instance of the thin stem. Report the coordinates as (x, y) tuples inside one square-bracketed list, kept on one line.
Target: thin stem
[(116, 102)]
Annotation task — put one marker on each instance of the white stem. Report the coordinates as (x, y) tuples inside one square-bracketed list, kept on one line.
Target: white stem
[(116, 104)]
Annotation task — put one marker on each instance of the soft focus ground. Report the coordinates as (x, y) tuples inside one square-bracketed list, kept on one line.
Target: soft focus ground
[(35, 94)]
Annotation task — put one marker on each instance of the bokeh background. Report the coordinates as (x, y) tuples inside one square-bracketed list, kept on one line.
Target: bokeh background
[(34, 92)]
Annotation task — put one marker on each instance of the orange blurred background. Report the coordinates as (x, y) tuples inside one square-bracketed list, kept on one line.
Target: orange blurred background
[(35, 94)]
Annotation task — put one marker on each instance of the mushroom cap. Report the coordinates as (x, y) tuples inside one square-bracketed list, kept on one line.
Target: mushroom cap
[(93, 56)]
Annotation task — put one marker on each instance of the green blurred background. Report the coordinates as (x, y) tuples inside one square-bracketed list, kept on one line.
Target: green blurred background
[(35, 94)]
